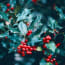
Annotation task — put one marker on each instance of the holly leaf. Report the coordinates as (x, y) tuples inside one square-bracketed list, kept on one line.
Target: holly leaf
[(22, 28), (51, 46), (4, 16)]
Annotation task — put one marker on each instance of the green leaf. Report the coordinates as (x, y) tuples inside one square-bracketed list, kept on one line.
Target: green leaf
[(22, 28), (4, 16), (51, 46)]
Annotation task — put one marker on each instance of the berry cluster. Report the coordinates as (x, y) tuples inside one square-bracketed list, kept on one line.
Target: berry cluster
[(29, 32), (46, 39), (52, 60), (8, 5), (24, 48)]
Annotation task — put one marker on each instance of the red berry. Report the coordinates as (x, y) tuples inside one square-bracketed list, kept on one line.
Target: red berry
[(28, 46), (51, 61), (7, 10), (48, 60), (30, 31), (18, 47), (47, 41), (34, 1), (19, 51), (44, 39), (24, 43), (12, 8), (24, 46), (23, 54), (54, 59), (23, 49), (21, 46), (29, 52), (27, 24), (58, 44), (34, 48), (26, 40), (56, 63), (26, 49), (48, 37), (7, 4), (28, 34), (44, 46), (31, 49), (49, 57)]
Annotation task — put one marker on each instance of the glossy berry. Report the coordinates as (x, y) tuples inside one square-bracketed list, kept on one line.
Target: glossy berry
[(51, 61), (7, 4), (31, 49), (44, 39), (23, 49), (23, 53), (48, 60), (26, 40), (12, 8), (34, 48), (28, 46), (7, 10), (47, 41), (54, 59), (26, 49), (24, 43), (30, 31), (48, 37), (18, 47), (28, 34), (25, 46), (58, 44), (44, 46), (49, 57), (21, 46), (29, 52)]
